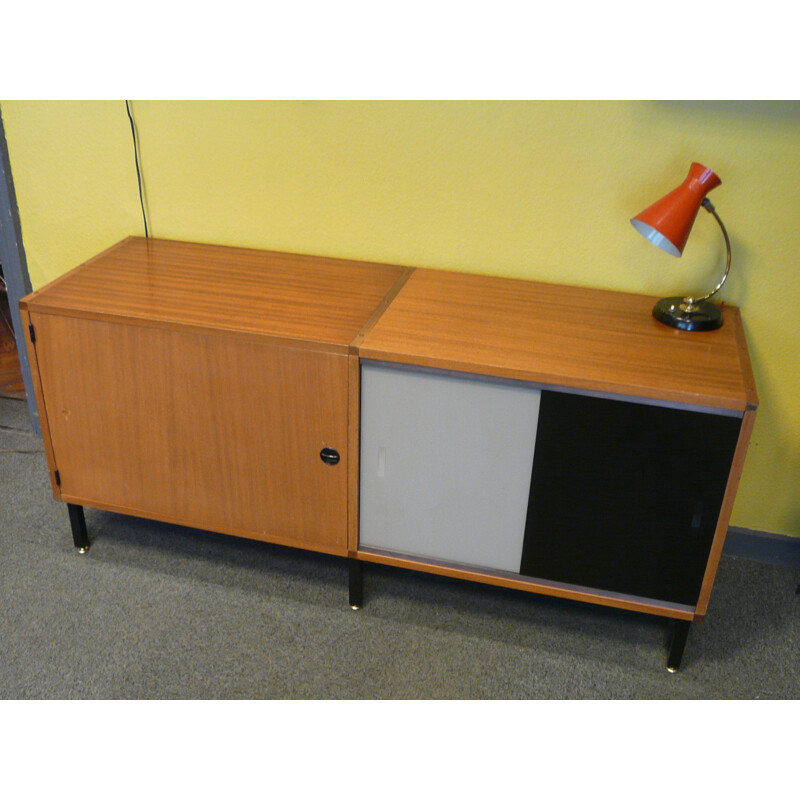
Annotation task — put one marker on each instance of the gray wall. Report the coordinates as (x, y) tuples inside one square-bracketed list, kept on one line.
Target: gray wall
[(15, 267)]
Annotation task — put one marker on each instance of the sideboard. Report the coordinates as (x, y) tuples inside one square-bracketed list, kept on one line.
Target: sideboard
[(552, 439)]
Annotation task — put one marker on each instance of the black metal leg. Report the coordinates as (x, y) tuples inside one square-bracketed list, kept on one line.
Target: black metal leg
[(78, 523), (356, 583), (679, 637)]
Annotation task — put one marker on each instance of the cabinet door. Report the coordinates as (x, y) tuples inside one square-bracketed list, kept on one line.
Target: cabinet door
[(445, 465), (624, 496), (212, 431)]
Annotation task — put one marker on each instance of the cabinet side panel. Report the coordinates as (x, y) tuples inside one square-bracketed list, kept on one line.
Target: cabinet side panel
[(40, 401), (445, 465), (218, 432)]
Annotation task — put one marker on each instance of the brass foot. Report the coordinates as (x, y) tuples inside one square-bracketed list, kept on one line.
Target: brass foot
[(673, 670), (83, 550), (355, 608)]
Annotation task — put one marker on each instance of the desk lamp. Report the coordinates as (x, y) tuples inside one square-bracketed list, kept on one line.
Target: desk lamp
[(667, 224)]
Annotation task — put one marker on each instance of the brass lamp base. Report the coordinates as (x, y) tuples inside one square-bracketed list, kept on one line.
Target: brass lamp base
[(680, 312)]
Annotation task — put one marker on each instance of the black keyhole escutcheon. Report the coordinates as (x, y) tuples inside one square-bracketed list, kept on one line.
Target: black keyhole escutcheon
[(329, 455)]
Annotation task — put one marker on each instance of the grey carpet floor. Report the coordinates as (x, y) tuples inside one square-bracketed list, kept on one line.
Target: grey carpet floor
[(159, 611)]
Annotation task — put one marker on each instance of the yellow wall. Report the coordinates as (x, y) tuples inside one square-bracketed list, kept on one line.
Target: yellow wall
[(539, 190)]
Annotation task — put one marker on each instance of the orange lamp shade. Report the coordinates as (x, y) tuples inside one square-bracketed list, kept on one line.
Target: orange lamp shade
[(668, 222)]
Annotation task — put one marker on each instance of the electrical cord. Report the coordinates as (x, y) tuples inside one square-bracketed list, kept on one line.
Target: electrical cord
[(138, 171)]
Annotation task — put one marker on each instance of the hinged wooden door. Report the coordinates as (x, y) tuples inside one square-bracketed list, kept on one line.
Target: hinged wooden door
[(216, 431)]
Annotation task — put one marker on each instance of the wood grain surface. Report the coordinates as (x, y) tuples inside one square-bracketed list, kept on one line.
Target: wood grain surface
[(41, 406), (321, 300), (562, 336), (210, 431), (197, 384), (11, 384)]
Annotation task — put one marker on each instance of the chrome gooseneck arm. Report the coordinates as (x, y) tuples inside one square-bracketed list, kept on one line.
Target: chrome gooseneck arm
[(692, 301)]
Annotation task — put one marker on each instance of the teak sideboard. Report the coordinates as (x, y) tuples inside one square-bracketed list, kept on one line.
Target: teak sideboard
[(546, 438)]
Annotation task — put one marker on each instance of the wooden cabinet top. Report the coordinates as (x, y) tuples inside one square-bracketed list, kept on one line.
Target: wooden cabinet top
[(561, 335), (566, 336), (155, 281)]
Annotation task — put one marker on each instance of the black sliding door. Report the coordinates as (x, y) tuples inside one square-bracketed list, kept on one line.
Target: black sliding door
[(625, 496)]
